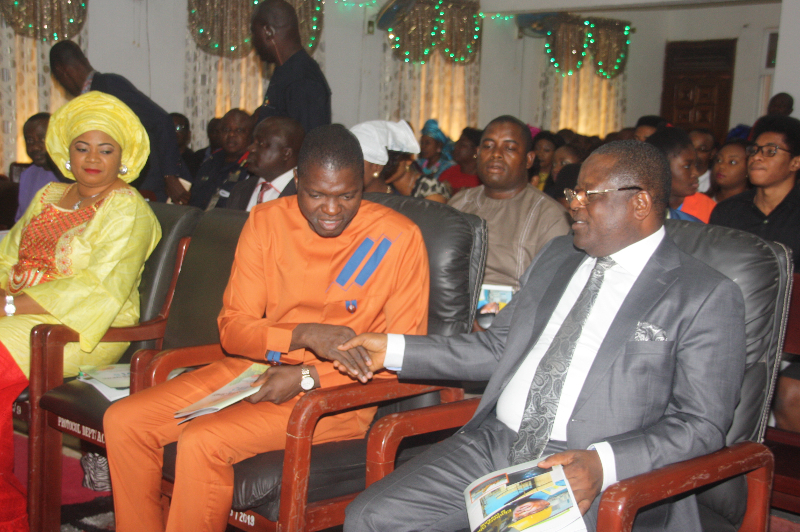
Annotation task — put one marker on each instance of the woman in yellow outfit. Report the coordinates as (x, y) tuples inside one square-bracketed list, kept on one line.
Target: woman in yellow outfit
[(75, 257)]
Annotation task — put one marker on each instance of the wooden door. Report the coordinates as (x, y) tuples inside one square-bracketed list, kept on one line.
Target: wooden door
[(698, 82)]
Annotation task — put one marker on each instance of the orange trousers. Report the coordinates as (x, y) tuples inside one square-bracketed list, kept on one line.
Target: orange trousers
[(138, 427)]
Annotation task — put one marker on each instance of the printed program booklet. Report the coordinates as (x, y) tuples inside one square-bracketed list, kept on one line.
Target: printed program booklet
[(523, 497), (112, 380), (495, 293), (231, 393)]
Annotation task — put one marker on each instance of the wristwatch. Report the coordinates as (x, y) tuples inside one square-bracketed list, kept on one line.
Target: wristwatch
[(10, 309), (306, 381)]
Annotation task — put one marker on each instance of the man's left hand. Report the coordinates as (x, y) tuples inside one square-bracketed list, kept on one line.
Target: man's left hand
[(279, 384), (584, 471)]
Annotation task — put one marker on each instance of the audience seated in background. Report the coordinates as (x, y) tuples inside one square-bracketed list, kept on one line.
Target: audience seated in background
[(213, 132), (545, 144), (521, 219), (378, 139), (647, 125), (297, 87), (436, 150), (705, 148), (772, 211), (41, 171), (567, 179), (572, 364), (685, 202), (310, 271), (218, 175), (729, 172), (73, 71), (464, 174), (563, 156), (183, 131), (76, 256), (409, 180), (270, 163)]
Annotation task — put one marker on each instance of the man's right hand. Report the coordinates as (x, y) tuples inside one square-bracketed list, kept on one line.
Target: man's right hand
[(374, 344), (325, 341), (174, 189)]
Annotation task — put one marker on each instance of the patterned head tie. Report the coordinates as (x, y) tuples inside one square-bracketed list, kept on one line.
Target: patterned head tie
[(98, 111)]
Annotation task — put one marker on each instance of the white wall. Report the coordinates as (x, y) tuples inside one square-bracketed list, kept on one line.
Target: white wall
[(787, 78), (144, 41)]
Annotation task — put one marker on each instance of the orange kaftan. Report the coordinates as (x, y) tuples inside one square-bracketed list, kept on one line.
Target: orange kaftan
[(373, 278)]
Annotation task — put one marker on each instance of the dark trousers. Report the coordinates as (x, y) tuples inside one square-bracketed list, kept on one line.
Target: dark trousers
[(427, 493)]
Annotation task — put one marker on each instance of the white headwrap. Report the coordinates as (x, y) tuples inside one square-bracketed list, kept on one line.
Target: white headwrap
[(376, 136)]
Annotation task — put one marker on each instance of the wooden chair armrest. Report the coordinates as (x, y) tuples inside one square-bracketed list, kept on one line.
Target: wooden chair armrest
[(304, 418), (782, 436), (621, 501), (389, 431), (161, 364)]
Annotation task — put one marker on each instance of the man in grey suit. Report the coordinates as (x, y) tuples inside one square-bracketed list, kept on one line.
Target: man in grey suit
[(652, 375)]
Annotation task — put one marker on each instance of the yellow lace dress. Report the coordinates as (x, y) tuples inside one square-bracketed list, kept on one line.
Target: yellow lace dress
[(83, 267)]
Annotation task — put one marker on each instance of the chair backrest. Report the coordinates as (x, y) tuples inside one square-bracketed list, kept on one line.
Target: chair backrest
[(204, 276), (176, 222), (456, 243), (763, 271)]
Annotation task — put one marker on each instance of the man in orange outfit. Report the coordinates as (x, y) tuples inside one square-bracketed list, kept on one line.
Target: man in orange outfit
[(310, 272)]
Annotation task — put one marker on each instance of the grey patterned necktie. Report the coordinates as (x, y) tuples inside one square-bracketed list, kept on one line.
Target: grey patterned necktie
[(545, 393)]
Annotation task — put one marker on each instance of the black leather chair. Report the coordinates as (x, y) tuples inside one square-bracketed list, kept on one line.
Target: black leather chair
[(763, 271), (456, 245), (79, 402)]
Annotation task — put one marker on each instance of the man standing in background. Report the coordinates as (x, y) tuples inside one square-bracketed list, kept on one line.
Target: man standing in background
[(297, 88)]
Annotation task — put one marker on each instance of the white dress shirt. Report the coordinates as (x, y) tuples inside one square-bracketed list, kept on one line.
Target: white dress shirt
[(704, 181), (278, 184), (618, 280)]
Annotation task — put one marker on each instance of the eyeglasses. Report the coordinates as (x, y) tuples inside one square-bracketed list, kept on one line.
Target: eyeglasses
[(585, 196), (769, 150), (180, 127)]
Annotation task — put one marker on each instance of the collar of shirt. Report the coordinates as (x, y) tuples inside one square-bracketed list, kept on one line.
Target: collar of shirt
[(634, 257), (87, 85), (282, 180)]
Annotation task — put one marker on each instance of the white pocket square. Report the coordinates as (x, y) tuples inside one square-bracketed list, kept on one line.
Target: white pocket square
[(647, 332)]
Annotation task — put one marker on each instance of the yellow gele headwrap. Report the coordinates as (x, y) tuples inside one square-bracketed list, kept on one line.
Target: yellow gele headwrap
[(98, 111)]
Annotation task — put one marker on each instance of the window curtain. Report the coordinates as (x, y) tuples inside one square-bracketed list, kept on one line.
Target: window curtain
[(583, 102), (216, 84), (26, 88), (437, 89)]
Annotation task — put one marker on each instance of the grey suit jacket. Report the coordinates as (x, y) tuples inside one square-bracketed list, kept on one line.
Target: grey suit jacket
[(656, 403)]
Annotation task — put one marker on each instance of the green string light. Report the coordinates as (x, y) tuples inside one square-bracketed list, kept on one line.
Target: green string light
[(588, 39), (438, 36)]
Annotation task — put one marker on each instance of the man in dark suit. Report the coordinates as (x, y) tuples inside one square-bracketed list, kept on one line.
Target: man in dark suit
[(297, 88), (649, 377), (73, 71), (271, 162)]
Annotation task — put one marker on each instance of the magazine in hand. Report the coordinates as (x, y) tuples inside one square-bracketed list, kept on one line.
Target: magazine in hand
[(495, 293), (231, 393), (523, 497)]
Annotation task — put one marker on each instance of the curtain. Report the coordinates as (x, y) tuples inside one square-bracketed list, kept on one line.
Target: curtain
[(216, 84), (436, 89), (26, 88), (583, 102)]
